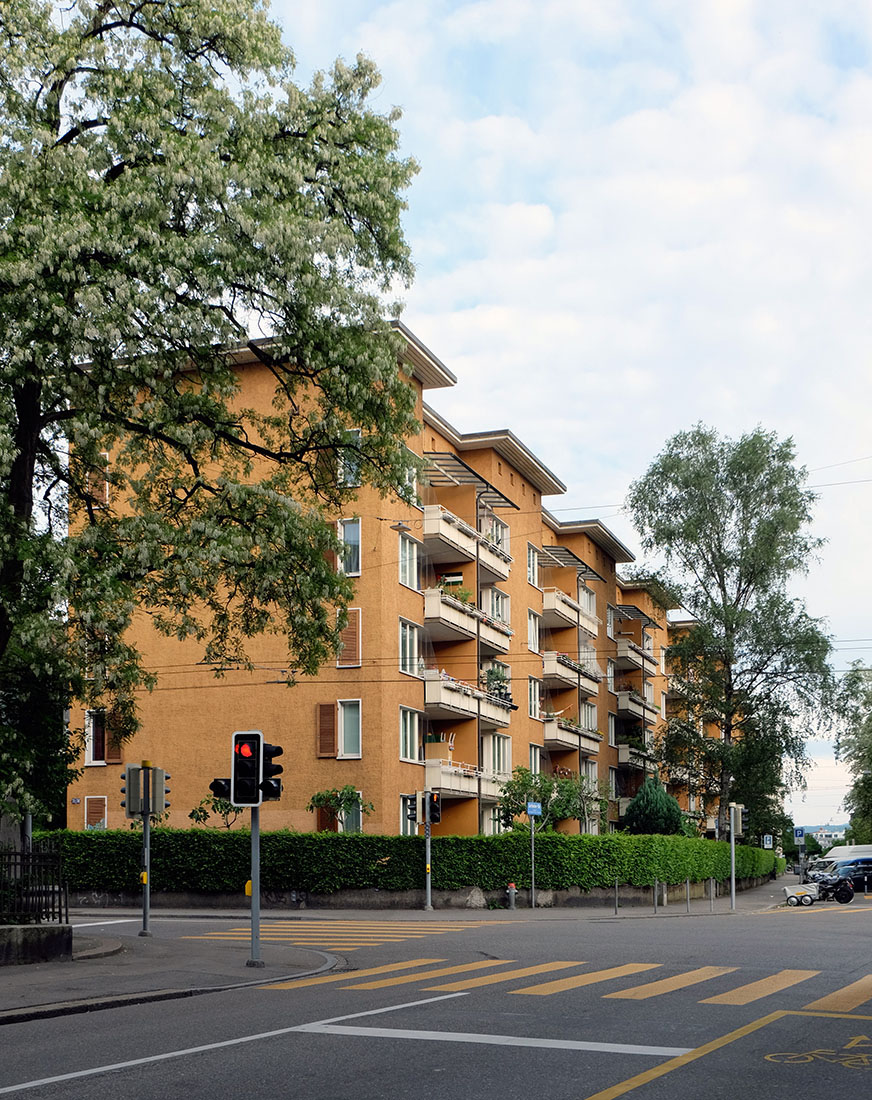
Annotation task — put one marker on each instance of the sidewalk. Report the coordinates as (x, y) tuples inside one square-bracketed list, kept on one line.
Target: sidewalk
[(110, 968)]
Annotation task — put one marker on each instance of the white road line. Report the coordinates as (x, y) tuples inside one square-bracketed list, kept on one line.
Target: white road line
[(101, 923), (493, 1040)]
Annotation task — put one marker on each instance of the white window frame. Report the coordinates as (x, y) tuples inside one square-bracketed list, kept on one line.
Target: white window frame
[(410, 559), (348, 468), (534, 697), (410, 655), (493, 822), (90, 759), (613, 783), (344, 706), (536, 759), (610, 675), (613, 731), (587, 599), (344, 524), (497, 604), (663, 705), (410, 734), (533, 631), (501, 754), (588, 715), (407, 828), (497, 531), (532, 565), (610, 622), (342, 822)]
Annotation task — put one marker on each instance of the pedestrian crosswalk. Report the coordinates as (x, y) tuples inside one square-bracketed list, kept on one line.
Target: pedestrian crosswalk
[(426, 974), (340, 935)]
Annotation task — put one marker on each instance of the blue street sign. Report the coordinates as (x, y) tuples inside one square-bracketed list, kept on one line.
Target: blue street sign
[(534, 809), (799, 834)]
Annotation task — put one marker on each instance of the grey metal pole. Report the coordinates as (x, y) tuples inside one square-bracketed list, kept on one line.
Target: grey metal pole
[(428, 889), (146, 846), (255, 959), (712, 894), (656, 892), (732, 856), (687, 892), (616, 897), (532, 863)]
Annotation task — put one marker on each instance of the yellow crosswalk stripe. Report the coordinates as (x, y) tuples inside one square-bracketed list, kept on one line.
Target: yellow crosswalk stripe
[(755, 991), (405, 978), (667, 985), (504, 976), (323, 979), (845, 999), (545, 989)]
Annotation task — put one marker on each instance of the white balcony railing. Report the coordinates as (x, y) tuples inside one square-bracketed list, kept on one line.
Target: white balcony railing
[(561, 672), (632, 657), (558, 733), (446, 698), (634, 706), (457, 778), (448, 538)]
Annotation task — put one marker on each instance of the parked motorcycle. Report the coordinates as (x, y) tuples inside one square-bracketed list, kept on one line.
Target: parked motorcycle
[(833, 888)]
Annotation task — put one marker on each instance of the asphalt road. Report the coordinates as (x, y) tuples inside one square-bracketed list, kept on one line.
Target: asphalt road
[(772, 1004)]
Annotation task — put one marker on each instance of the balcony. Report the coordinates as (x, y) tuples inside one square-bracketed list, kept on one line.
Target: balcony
[(633, 658), (449, 619), (632, 705), (452, 777), (561, 734), (560, 672), (630, 756), (449, 539), (447, 699), (560, 611)]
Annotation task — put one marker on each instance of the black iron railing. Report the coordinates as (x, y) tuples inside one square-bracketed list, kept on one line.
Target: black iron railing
[(32, 887)]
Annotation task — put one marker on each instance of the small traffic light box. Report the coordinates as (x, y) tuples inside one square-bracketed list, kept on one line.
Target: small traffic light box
[(744, 822), (434, 802), (132, 791), (220, 788), (246, 772), (159, 791), (410, 804), (271, 788)]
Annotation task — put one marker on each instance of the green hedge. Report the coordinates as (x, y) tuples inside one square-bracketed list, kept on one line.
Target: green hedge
[(321, 863)]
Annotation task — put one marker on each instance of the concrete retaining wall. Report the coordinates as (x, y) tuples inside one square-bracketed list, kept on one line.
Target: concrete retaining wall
[(35, 943)]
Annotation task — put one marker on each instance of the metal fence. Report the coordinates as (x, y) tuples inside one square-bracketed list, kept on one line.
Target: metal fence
[(32, 887)]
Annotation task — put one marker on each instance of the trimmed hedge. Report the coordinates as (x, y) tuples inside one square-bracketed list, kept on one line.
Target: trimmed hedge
[(321, 863)]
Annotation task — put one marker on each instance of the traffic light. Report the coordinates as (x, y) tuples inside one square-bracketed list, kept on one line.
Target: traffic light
[(132, 791), (246, 772), (220, 788), (159, 791), (745, 822), (271, 788), (410, 807), (435, 803)]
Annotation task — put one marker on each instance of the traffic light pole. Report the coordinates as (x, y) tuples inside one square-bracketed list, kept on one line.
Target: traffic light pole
[(146, 846), (733, 856), (255, 959), (428, 894)]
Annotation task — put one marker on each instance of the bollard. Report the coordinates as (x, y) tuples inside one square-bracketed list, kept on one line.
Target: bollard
[(656, 892), (511, 890), (687, 892), (616, 897)]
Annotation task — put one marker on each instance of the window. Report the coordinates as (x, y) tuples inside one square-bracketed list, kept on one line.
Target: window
[(587, 716), (663, 705), (349, 534), (352, 820), (590, 770), (613, 735), (349, 728), (410, 660), (587, 599), (407, 828), (610, 675), (536, 759), (410, 741), (533, 631), (409, 573), (613, 782), (691, 803), (100, 747), (534, 694), (497, 532), (533, 565), (493, 822), (95, 812), (349, 641), (587, 657), (496, 604), (348, 472), (501, 755), (610, 622), (648, 692)]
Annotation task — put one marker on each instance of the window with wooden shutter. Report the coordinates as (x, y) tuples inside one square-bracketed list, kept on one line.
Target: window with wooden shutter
[(95, 733), (349, 655), (113, 741), (95, 812), (326, 733)]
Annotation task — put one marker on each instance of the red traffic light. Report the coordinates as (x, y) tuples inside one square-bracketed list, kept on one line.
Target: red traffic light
[(244, 748)]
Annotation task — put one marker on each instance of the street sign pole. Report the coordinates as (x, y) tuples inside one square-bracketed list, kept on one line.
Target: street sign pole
[(534, 809), (733, 856), (255, 959)]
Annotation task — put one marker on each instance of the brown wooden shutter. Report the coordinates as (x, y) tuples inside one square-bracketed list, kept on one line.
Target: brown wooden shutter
[(98, 735), (326, 734), (95, 812), (349, 655), (113, 740), (327, 822)]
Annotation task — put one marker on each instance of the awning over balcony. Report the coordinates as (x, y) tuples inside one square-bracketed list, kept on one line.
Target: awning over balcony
[(561, 557), (445, 468), (630, 611)]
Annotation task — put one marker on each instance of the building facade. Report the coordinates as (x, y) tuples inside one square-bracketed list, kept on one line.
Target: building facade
[(485, 634)]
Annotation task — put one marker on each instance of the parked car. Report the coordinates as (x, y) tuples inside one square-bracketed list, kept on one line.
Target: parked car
[(859, 871)]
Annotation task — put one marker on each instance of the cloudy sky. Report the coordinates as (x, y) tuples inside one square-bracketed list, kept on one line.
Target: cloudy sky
[(633, 215)]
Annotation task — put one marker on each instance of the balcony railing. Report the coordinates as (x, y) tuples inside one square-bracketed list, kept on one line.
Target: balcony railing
[(632, 756), (560, 611), (633, 705), (448, 538), (631, 657), (561, 672), (562, 733), (457, 778), (446, 698), (449, 619)]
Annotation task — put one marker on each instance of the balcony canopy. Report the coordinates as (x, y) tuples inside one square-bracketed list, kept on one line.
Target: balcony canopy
[(561, 557), (445, 468), (630, 611)]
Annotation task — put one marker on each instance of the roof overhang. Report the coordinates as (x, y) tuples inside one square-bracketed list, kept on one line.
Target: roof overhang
[(430, 371), (630, 611), (445, 468), (596, 531), (561, 557)]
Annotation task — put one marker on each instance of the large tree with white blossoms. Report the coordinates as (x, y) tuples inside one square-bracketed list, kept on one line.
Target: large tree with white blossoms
[(167, 193)]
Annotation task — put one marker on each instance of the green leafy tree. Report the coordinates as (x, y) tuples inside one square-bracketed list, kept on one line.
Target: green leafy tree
[(653, 810), (340, 803), (729, 519), (563, 798), (168, 194), (854, 749)]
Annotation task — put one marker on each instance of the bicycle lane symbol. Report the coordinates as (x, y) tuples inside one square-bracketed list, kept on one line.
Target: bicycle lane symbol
[(850, 1055)]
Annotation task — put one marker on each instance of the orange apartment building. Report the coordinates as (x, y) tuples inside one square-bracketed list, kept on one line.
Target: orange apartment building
[(484, 634)]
